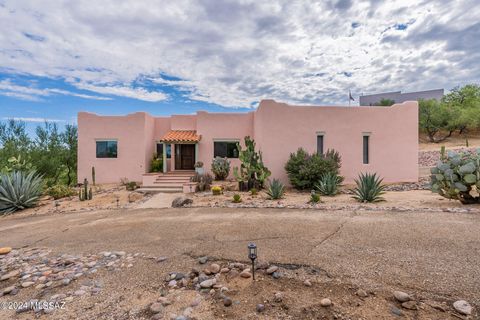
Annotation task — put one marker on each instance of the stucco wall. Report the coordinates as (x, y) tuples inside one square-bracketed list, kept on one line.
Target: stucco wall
[(281, 129), (278, 130), (221, 126), (131, 134)]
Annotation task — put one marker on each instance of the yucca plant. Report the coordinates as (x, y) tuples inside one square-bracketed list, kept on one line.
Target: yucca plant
[(19, 190), (369, 188), (276, 189), (328, 183)]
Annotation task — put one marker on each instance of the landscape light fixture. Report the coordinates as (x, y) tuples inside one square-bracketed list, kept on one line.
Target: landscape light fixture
[(252, 255)]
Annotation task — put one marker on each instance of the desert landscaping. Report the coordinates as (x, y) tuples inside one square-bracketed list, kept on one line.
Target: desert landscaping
[(128, 255)]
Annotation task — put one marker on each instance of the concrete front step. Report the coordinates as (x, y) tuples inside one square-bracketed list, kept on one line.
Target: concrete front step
[(148, 189)]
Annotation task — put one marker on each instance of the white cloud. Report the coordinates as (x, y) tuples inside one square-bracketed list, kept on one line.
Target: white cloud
[(26, 119), (29, 93), (235, 52), (136, 93)]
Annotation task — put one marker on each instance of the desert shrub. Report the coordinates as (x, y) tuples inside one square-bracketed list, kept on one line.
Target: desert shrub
[(253, 192), (456, 176), (156, 165), (252, 173), (60, 191), (304, 169), (369, 188), (220, 168), (131, 185), (314, 197), (19, 190), (276, 189), (204, 181), (216, 190), (237, 198), (328, 183)]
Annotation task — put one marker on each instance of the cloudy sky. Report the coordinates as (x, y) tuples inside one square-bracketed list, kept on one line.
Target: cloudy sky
[(114, 57)]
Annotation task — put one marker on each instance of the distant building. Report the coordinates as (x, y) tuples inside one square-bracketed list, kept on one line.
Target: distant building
[(399, 97)]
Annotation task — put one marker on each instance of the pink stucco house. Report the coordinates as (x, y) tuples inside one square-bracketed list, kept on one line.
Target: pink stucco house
[(369, 139)]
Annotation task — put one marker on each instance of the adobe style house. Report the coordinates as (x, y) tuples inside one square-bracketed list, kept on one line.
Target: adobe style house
[(369, 139)]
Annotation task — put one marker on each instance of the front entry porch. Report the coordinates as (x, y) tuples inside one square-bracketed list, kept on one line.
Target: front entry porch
[(184, 150)]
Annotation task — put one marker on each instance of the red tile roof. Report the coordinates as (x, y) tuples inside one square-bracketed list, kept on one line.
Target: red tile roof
[(181, 136)]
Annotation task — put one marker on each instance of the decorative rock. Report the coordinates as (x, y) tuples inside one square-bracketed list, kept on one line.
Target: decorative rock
[(214, 268), (278, 297), (9, 275), (66, 281), (156, 307), (246, 273), (411, 305), (325, 302), (172, 283), (5, 250), (202, 260), (396, 311), (179, 276), (401, 296), (227, 302), (463, 307), (161, 259), (361, 293), (224, 270), (8, 289), (272, 269), (207, 283), (276, 275), (27, 284), (307, 283), (181, 202), (260, 307)]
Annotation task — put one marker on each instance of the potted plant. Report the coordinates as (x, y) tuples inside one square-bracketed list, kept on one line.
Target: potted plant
[(199, 167)]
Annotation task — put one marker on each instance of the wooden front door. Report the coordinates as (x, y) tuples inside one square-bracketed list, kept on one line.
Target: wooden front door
[(184, 157)]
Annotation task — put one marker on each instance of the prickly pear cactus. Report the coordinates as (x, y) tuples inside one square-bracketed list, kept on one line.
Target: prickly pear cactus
[(457, 176)]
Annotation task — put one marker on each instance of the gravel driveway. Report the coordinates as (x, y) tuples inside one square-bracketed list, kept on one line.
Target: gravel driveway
[(428, 253)]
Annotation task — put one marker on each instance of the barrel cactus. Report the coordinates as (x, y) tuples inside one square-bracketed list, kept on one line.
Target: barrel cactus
[(457, 176)]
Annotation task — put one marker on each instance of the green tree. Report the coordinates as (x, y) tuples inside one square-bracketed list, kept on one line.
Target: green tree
[(69, 139), (464, 103), (435, 118), (385, 102), (14, 141)]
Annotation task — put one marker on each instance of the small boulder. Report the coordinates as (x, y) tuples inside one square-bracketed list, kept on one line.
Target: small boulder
[(260, 307), (181, 202), (246, 274), (227, 302), (202, 260), (278, 297), (463, 307), (401, 296), (325, 302), (207, 283), (5, 250), (214, 268), (156, 307), (307, 283), (361, 293), (272, 269)]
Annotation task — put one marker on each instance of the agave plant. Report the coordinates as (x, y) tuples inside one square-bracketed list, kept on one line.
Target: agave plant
[(19, 190), (369, 188), (276, 189), (328, 183)]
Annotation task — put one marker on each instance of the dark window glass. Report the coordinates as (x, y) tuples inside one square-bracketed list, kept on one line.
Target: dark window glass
[(106, 149), (160, 150), (366, 150), (320, 144), (225, 149)]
